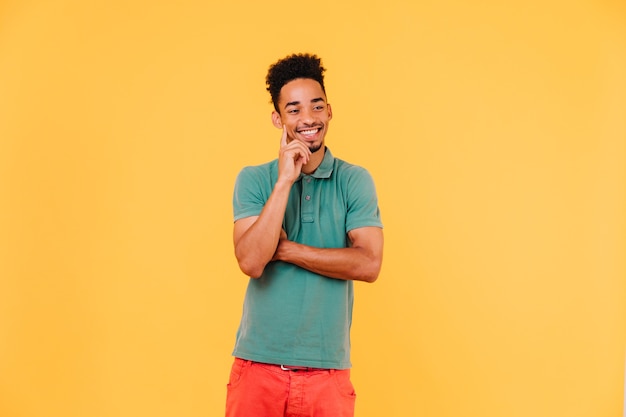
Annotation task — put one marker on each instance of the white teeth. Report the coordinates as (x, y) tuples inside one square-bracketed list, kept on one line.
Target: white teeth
[(309, 132)]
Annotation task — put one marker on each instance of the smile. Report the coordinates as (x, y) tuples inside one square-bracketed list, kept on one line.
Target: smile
[(309, 132)]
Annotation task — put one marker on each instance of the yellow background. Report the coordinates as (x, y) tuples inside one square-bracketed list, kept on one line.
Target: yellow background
[(495, 132)]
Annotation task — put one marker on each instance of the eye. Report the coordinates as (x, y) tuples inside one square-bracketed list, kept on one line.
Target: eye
[(318, 108), (292, 111)]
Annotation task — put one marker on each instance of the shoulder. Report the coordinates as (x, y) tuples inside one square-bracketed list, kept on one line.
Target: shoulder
[(346, 171), (258, 172)]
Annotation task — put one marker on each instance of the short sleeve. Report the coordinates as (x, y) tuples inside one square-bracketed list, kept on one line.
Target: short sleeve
[(250, 193), (362, 210)]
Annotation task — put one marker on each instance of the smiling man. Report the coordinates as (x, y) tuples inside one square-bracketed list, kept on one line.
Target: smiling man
[(306, 226)]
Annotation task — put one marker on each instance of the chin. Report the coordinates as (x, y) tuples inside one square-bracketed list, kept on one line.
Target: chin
[(315, 148)]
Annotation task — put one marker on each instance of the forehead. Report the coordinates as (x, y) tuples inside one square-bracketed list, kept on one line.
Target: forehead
[(302, 90)]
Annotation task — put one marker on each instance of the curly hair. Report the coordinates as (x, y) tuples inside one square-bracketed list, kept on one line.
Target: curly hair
[(290, 68)]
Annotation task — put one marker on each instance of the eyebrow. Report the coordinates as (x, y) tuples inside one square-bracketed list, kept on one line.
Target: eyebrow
[(295, 103)]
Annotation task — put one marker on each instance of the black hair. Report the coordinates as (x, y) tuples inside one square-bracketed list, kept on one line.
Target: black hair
[(290, 68)]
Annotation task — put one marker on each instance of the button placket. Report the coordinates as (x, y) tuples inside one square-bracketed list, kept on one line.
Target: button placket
[(306, 203)]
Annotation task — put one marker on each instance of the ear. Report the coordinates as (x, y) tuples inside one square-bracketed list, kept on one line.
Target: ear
[(330, 111), (276, 120)]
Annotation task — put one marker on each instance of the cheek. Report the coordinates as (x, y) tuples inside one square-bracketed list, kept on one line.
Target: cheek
[(291, 132)]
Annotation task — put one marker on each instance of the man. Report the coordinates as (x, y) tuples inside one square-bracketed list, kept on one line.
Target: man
[(306, 226)]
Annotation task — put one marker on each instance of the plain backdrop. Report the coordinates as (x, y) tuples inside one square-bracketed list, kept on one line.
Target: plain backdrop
[(496, 135)]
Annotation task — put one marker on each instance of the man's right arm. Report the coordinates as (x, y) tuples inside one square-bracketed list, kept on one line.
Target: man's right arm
[(256, 237)]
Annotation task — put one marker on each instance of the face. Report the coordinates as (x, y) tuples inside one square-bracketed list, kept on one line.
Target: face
[(304, 112)]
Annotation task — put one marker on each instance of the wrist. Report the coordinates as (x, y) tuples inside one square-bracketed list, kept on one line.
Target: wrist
[(282, 184), (287, 250)]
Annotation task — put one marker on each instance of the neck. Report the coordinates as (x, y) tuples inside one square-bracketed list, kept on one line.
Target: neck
[(315, 161)]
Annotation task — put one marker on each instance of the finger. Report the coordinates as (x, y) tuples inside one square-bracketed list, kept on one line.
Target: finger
[(283, 139), (299, 163), (301, 151)]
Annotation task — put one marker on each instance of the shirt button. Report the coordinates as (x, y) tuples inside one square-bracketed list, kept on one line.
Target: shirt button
[(308, 179), (308, 197)]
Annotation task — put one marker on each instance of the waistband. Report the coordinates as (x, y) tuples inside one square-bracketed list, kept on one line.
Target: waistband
[(285, 368)]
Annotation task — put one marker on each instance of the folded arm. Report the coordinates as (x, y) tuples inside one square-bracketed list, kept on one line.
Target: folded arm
[(360, 261), (256, 237)]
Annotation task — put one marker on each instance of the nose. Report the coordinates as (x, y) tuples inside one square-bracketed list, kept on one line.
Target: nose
[(307, 116)]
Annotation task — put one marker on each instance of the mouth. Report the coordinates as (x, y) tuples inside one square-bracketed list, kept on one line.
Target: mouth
[(309, 132)]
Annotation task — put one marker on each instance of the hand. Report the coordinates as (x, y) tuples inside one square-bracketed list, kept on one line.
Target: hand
[(281, 240), (291, 157)]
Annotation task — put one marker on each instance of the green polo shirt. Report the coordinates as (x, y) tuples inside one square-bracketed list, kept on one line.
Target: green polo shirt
[(292, 316)]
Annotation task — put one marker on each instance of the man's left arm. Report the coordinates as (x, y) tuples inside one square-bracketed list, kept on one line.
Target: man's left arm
[(361, 261)]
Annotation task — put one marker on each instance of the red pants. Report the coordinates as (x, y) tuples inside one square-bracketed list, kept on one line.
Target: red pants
[(262, 390)]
